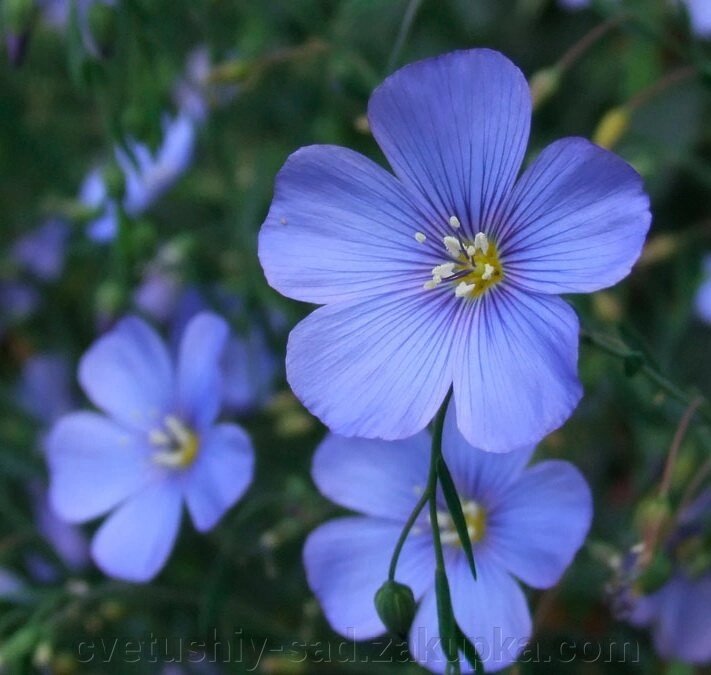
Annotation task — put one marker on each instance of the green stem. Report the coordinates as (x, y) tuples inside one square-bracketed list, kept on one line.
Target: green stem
[(616, 347), (405, 26), (405, 532)]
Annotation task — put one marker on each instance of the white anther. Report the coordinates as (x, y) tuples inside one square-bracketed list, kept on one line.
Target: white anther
[(420, 237), (432, 283), (488, 271), (481, 242), (454, 222), (177, 428), (444, 270), (471, 251), (463, 289), (454, 248), (158, 437)]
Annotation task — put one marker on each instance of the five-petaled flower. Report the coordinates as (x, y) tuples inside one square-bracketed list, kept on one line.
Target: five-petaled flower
[(448, 274), (524, 522), (156, 446)]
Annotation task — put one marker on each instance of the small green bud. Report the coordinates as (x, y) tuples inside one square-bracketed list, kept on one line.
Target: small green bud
[(395, 604), (115, 181), (543, 85), (102, 25), (655, 575), (653, 513)]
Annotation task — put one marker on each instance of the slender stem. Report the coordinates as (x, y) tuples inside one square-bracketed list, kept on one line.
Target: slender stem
[(405, 532), (588, 40), (616, 347), (679, 434), (405, 26)]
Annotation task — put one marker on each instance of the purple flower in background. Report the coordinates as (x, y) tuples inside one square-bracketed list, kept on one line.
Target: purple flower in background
[(42, 251), (702, 301), (146, 180), (18, 301), (700, 17), (448, 274), (157, 445), (525, 523)]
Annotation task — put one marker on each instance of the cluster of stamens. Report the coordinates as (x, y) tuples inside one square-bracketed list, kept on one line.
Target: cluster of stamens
[(475, 264), (176, 444), (475, 517)]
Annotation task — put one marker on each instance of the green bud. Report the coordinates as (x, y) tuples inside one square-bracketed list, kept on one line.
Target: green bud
[(655, 575), (654, 514), (109, 298), (543, 85), (395, 604), (115, 181), (103, 27)]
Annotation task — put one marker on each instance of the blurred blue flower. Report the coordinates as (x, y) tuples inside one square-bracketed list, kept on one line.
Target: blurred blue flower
[(525, 523), (45, 390), (18, 301), (678, 613), (702, 301), (42, 252), (156, 446), (449, 273), (146, 180)]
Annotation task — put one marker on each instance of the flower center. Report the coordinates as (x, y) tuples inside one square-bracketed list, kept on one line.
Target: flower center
[(474, 516), (176, 444), (474, 266)]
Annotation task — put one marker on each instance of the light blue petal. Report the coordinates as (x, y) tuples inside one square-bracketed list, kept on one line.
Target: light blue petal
[(700, 15), (576, 221), (128, 374), (136, 540), (45, 388), (480, 475), (374, 477), (222, 471), (93, 465), (340, 227), (540, 522), (516, 379), (199, 370), (347, 561), (455, 128), (378, 368), (702, 301)]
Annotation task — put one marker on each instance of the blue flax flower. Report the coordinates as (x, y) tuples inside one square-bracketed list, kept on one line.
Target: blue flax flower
[(448, 272), (148, 176), (678, 613), (702, 301), (525, 523), (156, 446)]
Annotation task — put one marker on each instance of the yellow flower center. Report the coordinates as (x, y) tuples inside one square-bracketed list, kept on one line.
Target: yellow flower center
[(475, 518), (176, 444), (474, 265)]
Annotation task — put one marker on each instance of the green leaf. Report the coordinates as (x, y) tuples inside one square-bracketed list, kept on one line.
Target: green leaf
[(455, 510), (445, 616), (466, 646)]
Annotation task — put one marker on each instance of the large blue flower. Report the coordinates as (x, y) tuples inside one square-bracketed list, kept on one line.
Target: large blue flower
[(156, 447), (448, 273), (526, 523)]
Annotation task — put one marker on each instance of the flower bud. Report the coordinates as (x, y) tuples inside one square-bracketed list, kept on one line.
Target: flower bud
[(543, 85), (395, 604), (653, 514), (612, 127)]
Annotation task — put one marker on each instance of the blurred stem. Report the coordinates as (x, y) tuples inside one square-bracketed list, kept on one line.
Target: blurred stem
[(675, 446), (616, 347), (588, 40), (407, 20)]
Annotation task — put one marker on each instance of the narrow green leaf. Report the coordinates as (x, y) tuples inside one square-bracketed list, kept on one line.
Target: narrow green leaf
[(466, 647), (455, 510), (445, 616)]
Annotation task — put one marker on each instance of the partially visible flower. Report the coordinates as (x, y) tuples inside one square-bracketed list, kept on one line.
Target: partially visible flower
[(148, 176), (45, 389), (11, 586), (448, 273), (700, 17), (702, 301), (156, 446), (524, 523), (18, 300), (42, 252), (678, 613)]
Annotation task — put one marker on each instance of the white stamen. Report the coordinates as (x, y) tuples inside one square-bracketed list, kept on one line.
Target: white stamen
[(471, 251), (420, 237), (488, 271), (481, 242), (158, 437), (177, 428), (432, 283), (453, 246), (454, 222), (463, 289), (444, 270)]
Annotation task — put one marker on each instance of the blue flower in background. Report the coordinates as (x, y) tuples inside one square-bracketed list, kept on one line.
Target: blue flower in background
[(525, 523), (42, 252), (448, 274), (156, 446), (146, 180), (18, 301), (702, 301)]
